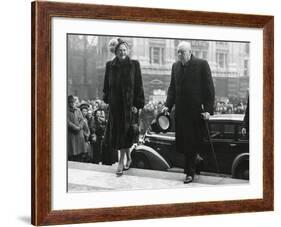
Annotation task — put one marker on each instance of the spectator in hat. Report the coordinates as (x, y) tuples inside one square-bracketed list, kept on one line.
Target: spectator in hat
[(76, 145), (100, 124), (123, 92), (84, 107), (245, 129), (92, 136), (76, 101)]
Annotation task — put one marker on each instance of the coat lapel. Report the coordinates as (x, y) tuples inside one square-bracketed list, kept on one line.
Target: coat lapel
[(113, 70), (178, 72), (127, 78), (128, 85), (188, 69)]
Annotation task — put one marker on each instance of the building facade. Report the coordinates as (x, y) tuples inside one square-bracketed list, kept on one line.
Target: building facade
[(229, 63)]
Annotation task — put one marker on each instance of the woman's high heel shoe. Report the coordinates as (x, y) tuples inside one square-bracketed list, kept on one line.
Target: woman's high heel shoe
[(128, 164), (119, 171)]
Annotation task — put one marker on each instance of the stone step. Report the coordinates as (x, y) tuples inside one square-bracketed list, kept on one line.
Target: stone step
[(93, 177)]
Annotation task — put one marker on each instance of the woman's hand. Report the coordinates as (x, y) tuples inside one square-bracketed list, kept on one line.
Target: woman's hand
[(165, 110), (134, 109)]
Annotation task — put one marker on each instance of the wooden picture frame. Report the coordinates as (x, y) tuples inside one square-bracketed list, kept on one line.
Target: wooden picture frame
[(42, 13)]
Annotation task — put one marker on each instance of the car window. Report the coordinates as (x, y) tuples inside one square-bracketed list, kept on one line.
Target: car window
[(220, 130)]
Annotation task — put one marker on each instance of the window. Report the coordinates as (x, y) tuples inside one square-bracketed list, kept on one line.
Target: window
[(163, 56), (222, 60), (222, 43), (157, 55), (154, 55), (247, 48), (246, 68), (205, 55), (176, 43), (222, 131)]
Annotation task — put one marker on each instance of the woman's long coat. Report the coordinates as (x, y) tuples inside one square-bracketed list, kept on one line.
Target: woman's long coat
[(192, 91), (131, 91)]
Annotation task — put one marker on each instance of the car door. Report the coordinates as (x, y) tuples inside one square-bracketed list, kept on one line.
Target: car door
[(241, 142), (222, 135)]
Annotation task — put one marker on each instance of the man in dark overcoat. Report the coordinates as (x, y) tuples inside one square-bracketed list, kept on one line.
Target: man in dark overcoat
[(192, 91)]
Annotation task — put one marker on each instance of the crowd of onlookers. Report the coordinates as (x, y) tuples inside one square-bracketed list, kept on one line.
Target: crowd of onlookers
[(86, 128), (91, 118), (228, 106), (149, 113), (153, 108)]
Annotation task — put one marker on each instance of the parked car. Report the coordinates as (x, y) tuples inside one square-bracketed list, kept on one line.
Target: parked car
[(157, 151)]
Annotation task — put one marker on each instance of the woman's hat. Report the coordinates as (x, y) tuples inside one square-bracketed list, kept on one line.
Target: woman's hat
[(115, 43), (84, 105), (120, 42), (162, 123)]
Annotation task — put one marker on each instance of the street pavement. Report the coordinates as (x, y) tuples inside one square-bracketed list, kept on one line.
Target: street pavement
[(86, 177)]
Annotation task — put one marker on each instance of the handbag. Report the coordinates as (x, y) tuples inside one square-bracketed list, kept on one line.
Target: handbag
[(134, 127)]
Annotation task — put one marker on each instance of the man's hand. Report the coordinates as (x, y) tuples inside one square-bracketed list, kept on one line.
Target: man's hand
[(205, 115), (134, 109), (165, 110), (244, 131)]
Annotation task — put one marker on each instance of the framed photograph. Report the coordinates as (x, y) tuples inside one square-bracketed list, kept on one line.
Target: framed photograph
[(142, 113)]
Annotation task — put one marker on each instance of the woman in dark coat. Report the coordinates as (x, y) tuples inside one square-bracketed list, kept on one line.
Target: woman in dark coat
[(123, 91)]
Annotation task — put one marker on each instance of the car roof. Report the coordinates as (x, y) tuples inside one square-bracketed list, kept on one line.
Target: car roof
[(227, 117)]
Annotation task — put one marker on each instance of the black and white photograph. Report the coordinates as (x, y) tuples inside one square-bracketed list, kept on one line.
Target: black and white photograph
[(137, 113), (156, 113), (142, 113)]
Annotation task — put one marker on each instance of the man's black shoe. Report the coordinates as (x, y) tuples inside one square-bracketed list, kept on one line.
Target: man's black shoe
[(188, 179)]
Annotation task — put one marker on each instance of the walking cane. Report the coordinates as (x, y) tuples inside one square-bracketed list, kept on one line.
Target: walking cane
[(211, 145)]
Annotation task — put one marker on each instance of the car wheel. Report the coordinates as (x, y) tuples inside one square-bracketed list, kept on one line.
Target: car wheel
[(140, 161), (242, 171)]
